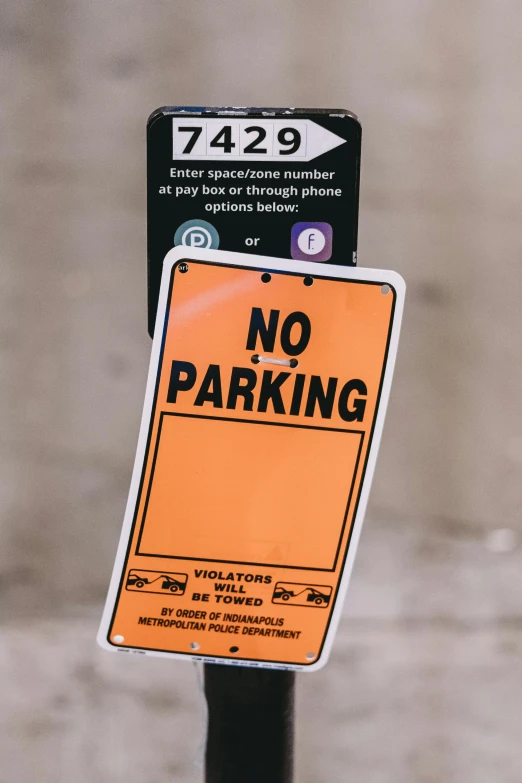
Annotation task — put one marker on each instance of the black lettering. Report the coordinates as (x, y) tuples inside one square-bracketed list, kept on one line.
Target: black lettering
[(325, 399), (237, 389), (271, 390), (177, 383), (267, 334), (356, 412), (297, 395), (210, 390), (306, 329)]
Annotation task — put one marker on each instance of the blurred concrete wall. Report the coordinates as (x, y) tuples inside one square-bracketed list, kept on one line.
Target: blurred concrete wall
[(425, 682)]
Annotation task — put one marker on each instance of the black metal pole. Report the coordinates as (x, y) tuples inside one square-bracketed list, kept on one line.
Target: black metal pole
[(250, 725)]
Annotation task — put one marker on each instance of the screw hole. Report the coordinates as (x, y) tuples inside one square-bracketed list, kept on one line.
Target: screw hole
[(194, 646), (265, 277), (234, 649), (310, 656), (385, 289), (308, 280), (118, 638), (255, 359)]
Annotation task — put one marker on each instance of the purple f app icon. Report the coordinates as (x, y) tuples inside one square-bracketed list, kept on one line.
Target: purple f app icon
[(311, 241)]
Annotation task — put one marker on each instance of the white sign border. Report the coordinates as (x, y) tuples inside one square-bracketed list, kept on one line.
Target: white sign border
[(264, 263)]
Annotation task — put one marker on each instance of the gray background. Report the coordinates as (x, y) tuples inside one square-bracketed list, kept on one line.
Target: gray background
[(425, 681)]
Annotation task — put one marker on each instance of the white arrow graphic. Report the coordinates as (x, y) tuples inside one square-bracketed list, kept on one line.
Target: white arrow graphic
[(275, 140), (320, 140)]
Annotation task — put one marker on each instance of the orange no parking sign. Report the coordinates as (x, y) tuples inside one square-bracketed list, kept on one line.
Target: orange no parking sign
[(267, 391)]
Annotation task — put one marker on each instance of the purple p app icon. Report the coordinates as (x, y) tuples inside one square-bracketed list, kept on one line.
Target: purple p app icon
[(311, 241)]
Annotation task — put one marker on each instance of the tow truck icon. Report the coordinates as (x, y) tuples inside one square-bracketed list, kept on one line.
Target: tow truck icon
[(301, 594), (156, 582)]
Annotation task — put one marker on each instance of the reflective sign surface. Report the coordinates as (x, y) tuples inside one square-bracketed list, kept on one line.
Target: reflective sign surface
[(267, 381)]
